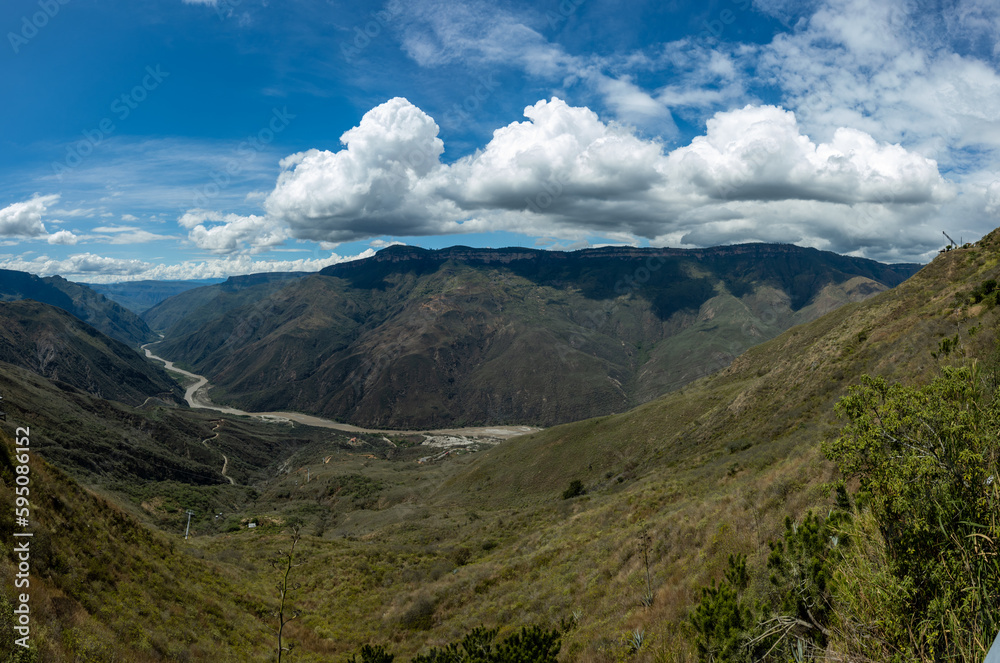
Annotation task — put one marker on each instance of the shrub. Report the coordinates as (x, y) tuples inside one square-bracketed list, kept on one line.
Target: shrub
[(532, 644), (373, 654), (575, 489)]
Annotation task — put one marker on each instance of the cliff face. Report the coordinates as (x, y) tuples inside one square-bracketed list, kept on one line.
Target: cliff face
[(465, 254)]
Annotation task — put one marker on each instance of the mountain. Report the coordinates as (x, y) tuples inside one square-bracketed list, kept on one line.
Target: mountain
[(412, 555), (55, 344), (412, 338), (96, 310), (140, 296), (197, 306)]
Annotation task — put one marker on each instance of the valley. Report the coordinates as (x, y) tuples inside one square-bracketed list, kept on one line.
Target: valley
[(196, 397), (413, 339), (606, 529)]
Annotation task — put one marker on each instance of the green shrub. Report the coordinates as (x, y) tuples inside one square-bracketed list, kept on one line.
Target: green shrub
[(373, 654), (532, 644), (575, 489)]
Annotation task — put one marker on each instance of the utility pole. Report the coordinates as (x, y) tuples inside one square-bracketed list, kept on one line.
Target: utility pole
[(189, 513)]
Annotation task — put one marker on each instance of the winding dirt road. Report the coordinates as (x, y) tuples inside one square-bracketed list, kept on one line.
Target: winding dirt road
[(196, 396), (225, 459)]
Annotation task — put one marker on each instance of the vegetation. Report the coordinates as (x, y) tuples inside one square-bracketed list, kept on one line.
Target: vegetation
[(51, 342), (725, 484), (927, 462), (82, 302), (916, 577)]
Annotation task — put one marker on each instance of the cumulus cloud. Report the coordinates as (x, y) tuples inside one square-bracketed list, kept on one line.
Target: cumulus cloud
[(563, 172), (891, 69), (237, 233), (378, 184), (63, 237), (760, 153), (25, 219)]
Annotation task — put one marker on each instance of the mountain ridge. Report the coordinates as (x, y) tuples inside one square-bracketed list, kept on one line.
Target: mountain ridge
[(416, 338), (85, 303), (57, 345)]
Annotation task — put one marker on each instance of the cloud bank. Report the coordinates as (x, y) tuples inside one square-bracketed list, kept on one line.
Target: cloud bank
[(563, 172)]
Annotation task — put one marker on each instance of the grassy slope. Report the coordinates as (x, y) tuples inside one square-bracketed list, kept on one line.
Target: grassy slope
[(412, 555), (711, 469), (96, 310), (194, 307), (105, 588)]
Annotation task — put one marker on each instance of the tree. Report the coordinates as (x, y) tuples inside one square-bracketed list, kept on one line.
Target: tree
[(284, 563)]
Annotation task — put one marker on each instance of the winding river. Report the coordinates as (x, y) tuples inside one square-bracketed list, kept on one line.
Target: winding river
[(196, 396)]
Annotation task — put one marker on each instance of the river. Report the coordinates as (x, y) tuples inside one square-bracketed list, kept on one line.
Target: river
[(196, 396)]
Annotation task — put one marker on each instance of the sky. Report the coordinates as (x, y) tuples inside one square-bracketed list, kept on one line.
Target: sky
[(183, 139)]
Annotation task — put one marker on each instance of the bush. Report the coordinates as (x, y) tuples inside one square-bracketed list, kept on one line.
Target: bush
[(575, 489), (927, 463), (529, 645), (376, 654)]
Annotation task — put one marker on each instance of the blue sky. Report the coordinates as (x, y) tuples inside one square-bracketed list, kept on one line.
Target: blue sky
[(203, 138)]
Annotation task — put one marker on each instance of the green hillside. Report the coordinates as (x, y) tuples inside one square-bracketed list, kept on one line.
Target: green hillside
[(93, 308), (51, 342), (419, 339), (412, 555), (197, 306)]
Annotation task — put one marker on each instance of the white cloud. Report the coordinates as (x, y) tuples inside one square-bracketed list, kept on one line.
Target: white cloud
[(381, 243), (436, 33), (25, 219), (63, 237), (91, 268), (760, 153), (893, 72), (993, 197), (754, 176), (238, 233), (129, 217), (129, 235), (377, 185)]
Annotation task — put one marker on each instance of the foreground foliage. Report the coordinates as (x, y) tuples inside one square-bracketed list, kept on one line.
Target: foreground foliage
[(529, 645), (927, 463), (914, 572)]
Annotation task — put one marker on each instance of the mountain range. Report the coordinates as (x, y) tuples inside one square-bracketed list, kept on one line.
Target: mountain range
[(411, 554), (412, 338), (89, 306)]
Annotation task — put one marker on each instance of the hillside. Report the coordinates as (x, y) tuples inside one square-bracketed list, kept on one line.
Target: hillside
[(412, 338), (95, 309), (197, 306), (412, 555), (140, 296), (55, 344)]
